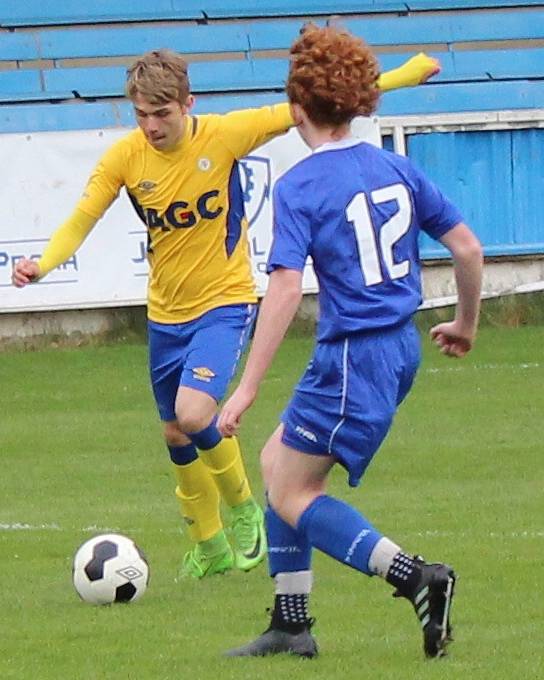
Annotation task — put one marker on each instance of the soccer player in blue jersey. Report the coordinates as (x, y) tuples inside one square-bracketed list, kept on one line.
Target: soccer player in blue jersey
[(357, 211), (180, 172)]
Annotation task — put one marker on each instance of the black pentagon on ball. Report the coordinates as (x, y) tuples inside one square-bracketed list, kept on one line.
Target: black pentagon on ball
[(102, 552), (125, 593)]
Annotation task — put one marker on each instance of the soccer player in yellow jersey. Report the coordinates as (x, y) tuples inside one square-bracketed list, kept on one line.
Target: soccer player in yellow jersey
[(181, 174)]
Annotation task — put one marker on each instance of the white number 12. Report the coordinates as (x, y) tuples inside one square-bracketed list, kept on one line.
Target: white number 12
[(358, 214)]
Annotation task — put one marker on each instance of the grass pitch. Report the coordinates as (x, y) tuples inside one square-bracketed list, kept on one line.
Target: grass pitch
[(460, 478)]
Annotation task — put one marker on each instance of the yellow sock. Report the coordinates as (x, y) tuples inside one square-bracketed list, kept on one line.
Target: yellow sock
[(198, 499), (413, 72), (225, 463)]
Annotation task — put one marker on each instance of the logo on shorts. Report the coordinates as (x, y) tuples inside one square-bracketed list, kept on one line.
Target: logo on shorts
[(203, 373), (305, 433)]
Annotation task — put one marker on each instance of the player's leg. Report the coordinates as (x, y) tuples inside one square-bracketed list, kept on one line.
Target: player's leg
[(289, 563), (212, 358), (196, 491), (199, 502), (314, 426), (342, 532), (381, 369)]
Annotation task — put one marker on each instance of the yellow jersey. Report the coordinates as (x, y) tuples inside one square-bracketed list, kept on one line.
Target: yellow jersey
[(190, 199)]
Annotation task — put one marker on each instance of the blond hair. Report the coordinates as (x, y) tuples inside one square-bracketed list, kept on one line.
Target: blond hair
[(333, 75), (159, 76)]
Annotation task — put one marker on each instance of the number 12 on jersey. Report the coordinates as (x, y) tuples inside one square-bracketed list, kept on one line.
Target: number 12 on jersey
[(372, 245)]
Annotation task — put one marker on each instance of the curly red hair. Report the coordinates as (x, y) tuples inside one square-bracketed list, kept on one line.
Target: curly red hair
[(332, 75)]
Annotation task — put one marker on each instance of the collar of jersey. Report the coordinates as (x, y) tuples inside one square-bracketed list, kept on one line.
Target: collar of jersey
[(344, 143)]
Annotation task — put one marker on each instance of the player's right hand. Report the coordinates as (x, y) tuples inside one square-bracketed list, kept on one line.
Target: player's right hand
[(24, 272), (228, 422), (451, 339)]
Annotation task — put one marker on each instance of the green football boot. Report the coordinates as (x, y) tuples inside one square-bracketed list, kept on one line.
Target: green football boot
[(248, 535), (199, 564)]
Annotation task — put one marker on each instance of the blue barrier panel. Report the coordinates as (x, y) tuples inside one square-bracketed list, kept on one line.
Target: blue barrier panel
[(421, 29), (477, 171), (205, 76), (47, 118), (276, 8), (528, 185), (19, 82), (461, 65), (53, 12), (457, 97), (134, 40), (17, 46), (467, 4)]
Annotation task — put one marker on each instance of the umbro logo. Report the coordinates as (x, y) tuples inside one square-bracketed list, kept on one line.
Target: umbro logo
[(130, 573), (147, 185)]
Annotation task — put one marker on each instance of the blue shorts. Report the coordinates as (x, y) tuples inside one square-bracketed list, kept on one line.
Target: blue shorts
[(202, 354), (345, 402)]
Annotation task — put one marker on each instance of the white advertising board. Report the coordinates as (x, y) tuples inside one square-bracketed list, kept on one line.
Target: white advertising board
[(41, 178)]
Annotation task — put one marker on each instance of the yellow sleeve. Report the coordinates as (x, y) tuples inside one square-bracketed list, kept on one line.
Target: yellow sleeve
[(242, 131), (105, 181), (66, 240), (413, 72)]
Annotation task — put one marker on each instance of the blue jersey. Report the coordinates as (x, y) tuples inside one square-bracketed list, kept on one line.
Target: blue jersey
[(357, 211)]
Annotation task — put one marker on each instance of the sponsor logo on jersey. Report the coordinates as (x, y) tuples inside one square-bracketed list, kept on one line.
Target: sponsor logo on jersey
[(203, 373), (305, 433), (147, 185), (204, 164)]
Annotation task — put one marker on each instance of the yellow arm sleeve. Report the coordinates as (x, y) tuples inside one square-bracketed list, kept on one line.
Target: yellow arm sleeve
[(244, 130), (413, 72), (66, 240)]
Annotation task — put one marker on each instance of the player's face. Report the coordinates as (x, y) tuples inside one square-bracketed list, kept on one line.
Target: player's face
[(162, 124)]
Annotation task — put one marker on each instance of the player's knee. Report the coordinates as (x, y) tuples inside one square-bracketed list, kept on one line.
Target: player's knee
[(173, 436), (192, 421)]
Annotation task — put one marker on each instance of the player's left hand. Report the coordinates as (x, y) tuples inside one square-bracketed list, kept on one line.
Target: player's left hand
[(228, 422), (451, 339), (420, 68)]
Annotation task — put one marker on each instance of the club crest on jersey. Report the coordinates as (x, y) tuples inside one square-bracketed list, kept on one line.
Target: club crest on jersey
[(204, 164), (203, 373), (147, 185), (256, 180)]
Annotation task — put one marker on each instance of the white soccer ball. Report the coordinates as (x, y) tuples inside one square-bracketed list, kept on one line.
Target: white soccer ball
[(110, 568)]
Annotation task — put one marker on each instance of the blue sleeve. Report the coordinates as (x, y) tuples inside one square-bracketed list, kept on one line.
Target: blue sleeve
[(291, 230), (436, 214)]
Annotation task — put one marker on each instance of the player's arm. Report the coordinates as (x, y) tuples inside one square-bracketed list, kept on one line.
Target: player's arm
[(247, 129), (456, 338), (415, 71), (277, 310), (63, 244), (102, 188)]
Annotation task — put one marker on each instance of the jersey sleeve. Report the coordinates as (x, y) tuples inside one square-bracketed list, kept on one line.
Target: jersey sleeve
[(436, 214), (104, 183), (242, 131), (291, 231), (65, 241)]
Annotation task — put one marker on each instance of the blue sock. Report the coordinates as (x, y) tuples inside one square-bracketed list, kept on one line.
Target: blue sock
[(183, 455), (340, 531), (207, 438), (288, 550)]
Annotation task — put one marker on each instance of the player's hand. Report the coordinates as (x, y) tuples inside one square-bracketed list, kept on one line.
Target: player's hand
[(420, 68), (452, 340), (228, 422), (24, 272)]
